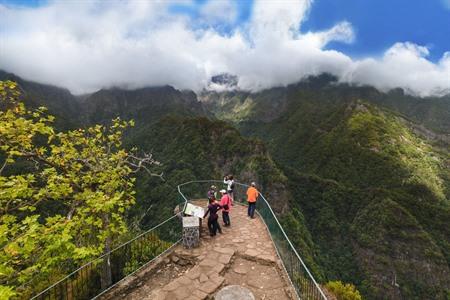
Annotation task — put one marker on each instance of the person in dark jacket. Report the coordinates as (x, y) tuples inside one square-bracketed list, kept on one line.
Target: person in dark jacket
[(212, 193), (213, 224)]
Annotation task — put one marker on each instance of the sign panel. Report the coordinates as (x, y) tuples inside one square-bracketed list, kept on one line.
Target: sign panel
[(191, 222), (195, 211)]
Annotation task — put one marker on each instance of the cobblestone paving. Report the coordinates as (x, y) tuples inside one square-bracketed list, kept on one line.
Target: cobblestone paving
[(244, 254)]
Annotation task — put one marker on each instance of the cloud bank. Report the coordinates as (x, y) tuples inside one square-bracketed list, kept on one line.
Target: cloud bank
[(85, 46)]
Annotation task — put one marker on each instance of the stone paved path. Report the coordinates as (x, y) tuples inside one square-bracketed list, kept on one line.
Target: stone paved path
[(243, 255)]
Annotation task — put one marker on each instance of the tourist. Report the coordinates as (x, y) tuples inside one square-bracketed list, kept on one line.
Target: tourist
[(252, 195), (212, 193), (225, 203), (229, 181), (213, 224)]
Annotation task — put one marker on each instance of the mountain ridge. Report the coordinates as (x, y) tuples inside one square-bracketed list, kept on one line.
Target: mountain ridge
[(430, 112)]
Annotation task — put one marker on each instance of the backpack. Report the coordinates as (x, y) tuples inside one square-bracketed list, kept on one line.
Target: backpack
[(225, 206), (232, 186)]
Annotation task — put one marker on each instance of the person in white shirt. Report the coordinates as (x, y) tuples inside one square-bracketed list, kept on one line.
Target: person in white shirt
[(229, 181)]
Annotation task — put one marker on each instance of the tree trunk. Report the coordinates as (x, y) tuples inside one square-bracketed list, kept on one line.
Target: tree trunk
[(106, 274)]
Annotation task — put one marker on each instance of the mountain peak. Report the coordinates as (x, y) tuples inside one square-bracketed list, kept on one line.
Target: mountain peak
[(223, 82)]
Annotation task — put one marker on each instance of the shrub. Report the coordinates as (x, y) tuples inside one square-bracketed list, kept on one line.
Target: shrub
[(343, 291)]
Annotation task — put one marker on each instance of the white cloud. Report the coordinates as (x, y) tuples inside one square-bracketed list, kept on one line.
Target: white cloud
[(89, 45), (404, 65), (219, 11), (446, 3)]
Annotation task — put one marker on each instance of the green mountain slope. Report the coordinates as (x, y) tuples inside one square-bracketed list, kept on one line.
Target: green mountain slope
[(145, 106), (389, 202), (59, 101), (238, 106), (198, 148), (432, 112), (373, 193)]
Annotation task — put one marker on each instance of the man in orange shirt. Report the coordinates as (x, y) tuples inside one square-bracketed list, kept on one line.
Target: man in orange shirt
[(252, 195)]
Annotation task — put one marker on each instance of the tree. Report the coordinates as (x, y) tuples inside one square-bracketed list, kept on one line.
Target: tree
[(84, 176)]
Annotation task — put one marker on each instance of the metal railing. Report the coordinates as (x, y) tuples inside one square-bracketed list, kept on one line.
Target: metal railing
[(88, 281), (301, 278), (98, 276)]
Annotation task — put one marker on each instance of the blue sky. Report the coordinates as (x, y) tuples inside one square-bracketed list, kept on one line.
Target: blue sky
[(244, 8), (30, 3), (85, 45), (381, 23)]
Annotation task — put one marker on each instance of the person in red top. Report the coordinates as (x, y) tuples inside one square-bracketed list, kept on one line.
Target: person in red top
[(252, 195), (225, 203)]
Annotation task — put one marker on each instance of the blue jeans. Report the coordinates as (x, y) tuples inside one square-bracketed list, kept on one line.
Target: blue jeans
[(251, 209)]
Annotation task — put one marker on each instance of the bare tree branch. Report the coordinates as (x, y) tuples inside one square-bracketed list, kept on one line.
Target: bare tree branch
[(138, 163), (4, 165)]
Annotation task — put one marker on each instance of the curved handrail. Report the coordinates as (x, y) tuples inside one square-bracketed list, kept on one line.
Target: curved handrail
[(295, 251), (106, 254), (103, 256), (278, 223), (80, 269)]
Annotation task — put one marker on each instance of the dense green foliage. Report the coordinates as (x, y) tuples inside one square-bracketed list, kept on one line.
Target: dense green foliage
[(144, 251), (343, 291), (67, 203), (294, 224)]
